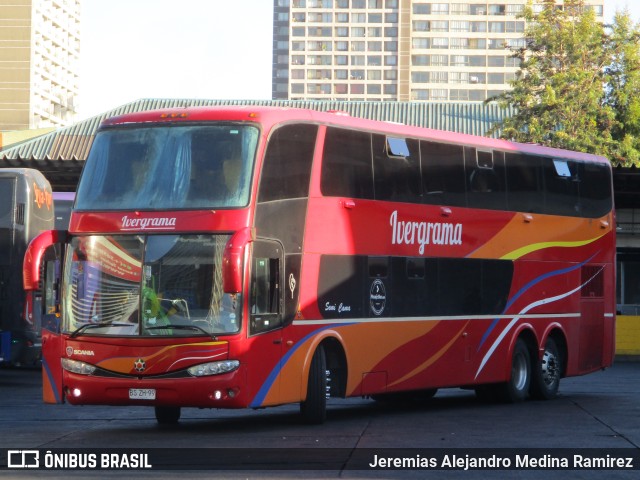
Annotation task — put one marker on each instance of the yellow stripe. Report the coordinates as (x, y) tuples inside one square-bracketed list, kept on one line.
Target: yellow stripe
[(520, 252)]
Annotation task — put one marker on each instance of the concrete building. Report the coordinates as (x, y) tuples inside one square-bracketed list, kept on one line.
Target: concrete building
[(397, 50), (39, 63)]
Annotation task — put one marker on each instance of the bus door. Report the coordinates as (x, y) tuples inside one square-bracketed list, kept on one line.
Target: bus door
[(52, 341), (265, 322)]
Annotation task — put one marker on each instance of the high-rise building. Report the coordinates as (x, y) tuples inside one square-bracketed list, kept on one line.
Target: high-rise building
[(397, 50), (39, 63)]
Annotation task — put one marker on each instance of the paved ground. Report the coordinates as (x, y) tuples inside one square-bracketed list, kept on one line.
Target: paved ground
[(599, 411)]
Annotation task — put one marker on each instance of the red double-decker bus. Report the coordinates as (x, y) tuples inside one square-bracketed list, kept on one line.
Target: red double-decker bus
[(251, 257)]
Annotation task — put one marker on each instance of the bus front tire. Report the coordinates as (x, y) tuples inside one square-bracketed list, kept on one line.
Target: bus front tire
[(167, 415), (314, 408), (546, 378)]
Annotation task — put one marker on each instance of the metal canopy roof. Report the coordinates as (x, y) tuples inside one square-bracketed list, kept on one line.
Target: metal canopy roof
[(60, 155)]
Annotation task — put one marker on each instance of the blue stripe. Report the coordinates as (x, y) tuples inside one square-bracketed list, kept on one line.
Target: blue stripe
[(529, 285), (268, 383), (54, 386)]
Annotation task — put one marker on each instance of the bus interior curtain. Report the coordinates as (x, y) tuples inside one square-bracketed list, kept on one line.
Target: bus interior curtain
[(172, 171), (100, 171)]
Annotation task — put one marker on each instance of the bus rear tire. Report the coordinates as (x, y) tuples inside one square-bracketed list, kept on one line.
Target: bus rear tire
[(314, 408), (516, 388), (546, 378), (167, 415)]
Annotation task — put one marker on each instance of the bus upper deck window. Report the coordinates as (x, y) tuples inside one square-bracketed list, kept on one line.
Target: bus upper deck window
[(484, 159)]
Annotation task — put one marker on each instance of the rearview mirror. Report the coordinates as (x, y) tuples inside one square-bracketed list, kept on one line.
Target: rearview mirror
[(33, 256), (233, 260)]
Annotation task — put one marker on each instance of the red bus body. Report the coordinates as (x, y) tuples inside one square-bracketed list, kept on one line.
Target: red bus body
[(359, 285)]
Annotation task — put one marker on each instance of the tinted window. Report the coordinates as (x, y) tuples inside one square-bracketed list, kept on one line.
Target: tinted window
[(396, 169), (561, 184), (287, 163), (485, 179), (346, 165), (165, 167), (7, 187), (443, 173), (7, 205), (341, 284), (524, 183), (595, 189), (265, 296)]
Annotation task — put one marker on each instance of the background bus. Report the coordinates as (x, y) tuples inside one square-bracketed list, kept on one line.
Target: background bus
[(63, 204), (232, 258), (26, 210)]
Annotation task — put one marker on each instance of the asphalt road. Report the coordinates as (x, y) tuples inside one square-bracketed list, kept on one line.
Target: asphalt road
[(592, 415)]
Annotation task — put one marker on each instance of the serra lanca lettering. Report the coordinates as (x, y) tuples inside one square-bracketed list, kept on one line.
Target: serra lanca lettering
[(424, 233)]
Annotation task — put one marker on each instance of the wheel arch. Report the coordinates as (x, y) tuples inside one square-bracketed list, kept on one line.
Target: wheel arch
[(337, 363)]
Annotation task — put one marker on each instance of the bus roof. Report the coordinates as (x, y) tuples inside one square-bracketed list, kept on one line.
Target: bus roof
[(63, 196), (270, 116)]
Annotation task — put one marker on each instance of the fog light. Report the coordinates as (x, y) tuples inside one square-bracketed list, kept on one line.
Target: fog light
[(217, 395), (76, 392)]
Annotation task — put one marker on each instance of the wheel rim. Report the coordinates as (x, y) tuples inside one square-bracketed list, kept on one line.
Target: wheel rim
[(549, 366), (520, 372)]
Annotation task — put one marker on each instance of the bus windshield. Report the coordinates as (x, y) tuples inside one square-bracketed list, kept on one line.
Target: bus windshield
[(169, 285), (169, 167)]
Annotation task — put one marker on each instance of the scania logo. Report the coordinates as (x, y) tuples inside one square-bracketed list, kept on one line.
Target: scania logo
[(76, 351), (139, 365)]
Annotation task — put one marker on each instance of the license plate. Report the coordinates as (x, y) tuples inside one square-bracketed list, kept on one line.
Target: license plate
[(142, 393)]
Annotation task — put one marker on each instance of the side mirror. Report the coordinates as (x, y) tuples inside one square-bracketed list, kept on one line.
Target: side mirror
[(33, 256), (232, 260)]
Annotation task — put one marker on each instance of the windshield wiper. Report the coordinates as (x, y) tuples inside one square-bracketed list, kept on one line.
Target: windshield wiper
[(87, 326), (183, 327)]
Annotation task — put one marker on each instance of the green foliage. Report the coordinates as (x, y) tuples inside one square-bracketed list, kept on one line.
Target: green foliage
[(578, 87)]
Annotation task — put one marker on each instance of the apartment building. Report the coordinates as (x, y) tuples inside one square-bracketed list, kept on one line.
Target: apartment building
[(397, 50), (39, 63)]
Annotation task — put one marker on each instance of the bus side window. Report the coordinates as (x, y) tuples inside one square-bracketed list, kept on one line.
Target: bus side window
[(595, 189), (562, 187), (396, 166), (485, 179), (524, 182), (346, 164), (443, 174), (265, 296)]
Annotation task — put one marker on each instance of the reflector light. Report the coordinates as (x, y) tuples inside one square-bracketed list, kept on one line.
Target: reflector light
[(174, 115)]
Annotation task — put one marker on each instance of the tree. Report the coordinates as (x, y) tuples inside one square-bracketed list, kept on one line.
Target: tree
[(576, 83), (622, 91)]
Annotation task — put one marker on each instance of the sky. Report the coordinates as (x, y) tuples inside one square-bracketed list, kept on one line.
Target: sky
[(133, 49), (212, 49)]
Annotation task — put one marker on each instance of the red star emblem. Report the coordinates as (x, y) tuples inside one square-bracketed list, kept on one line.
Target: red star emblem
[(139, 365)]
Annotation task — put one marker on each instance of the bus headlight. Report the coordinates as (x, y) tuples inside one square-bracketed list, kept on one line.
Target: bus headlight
[(213, 368), (75, 366)]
